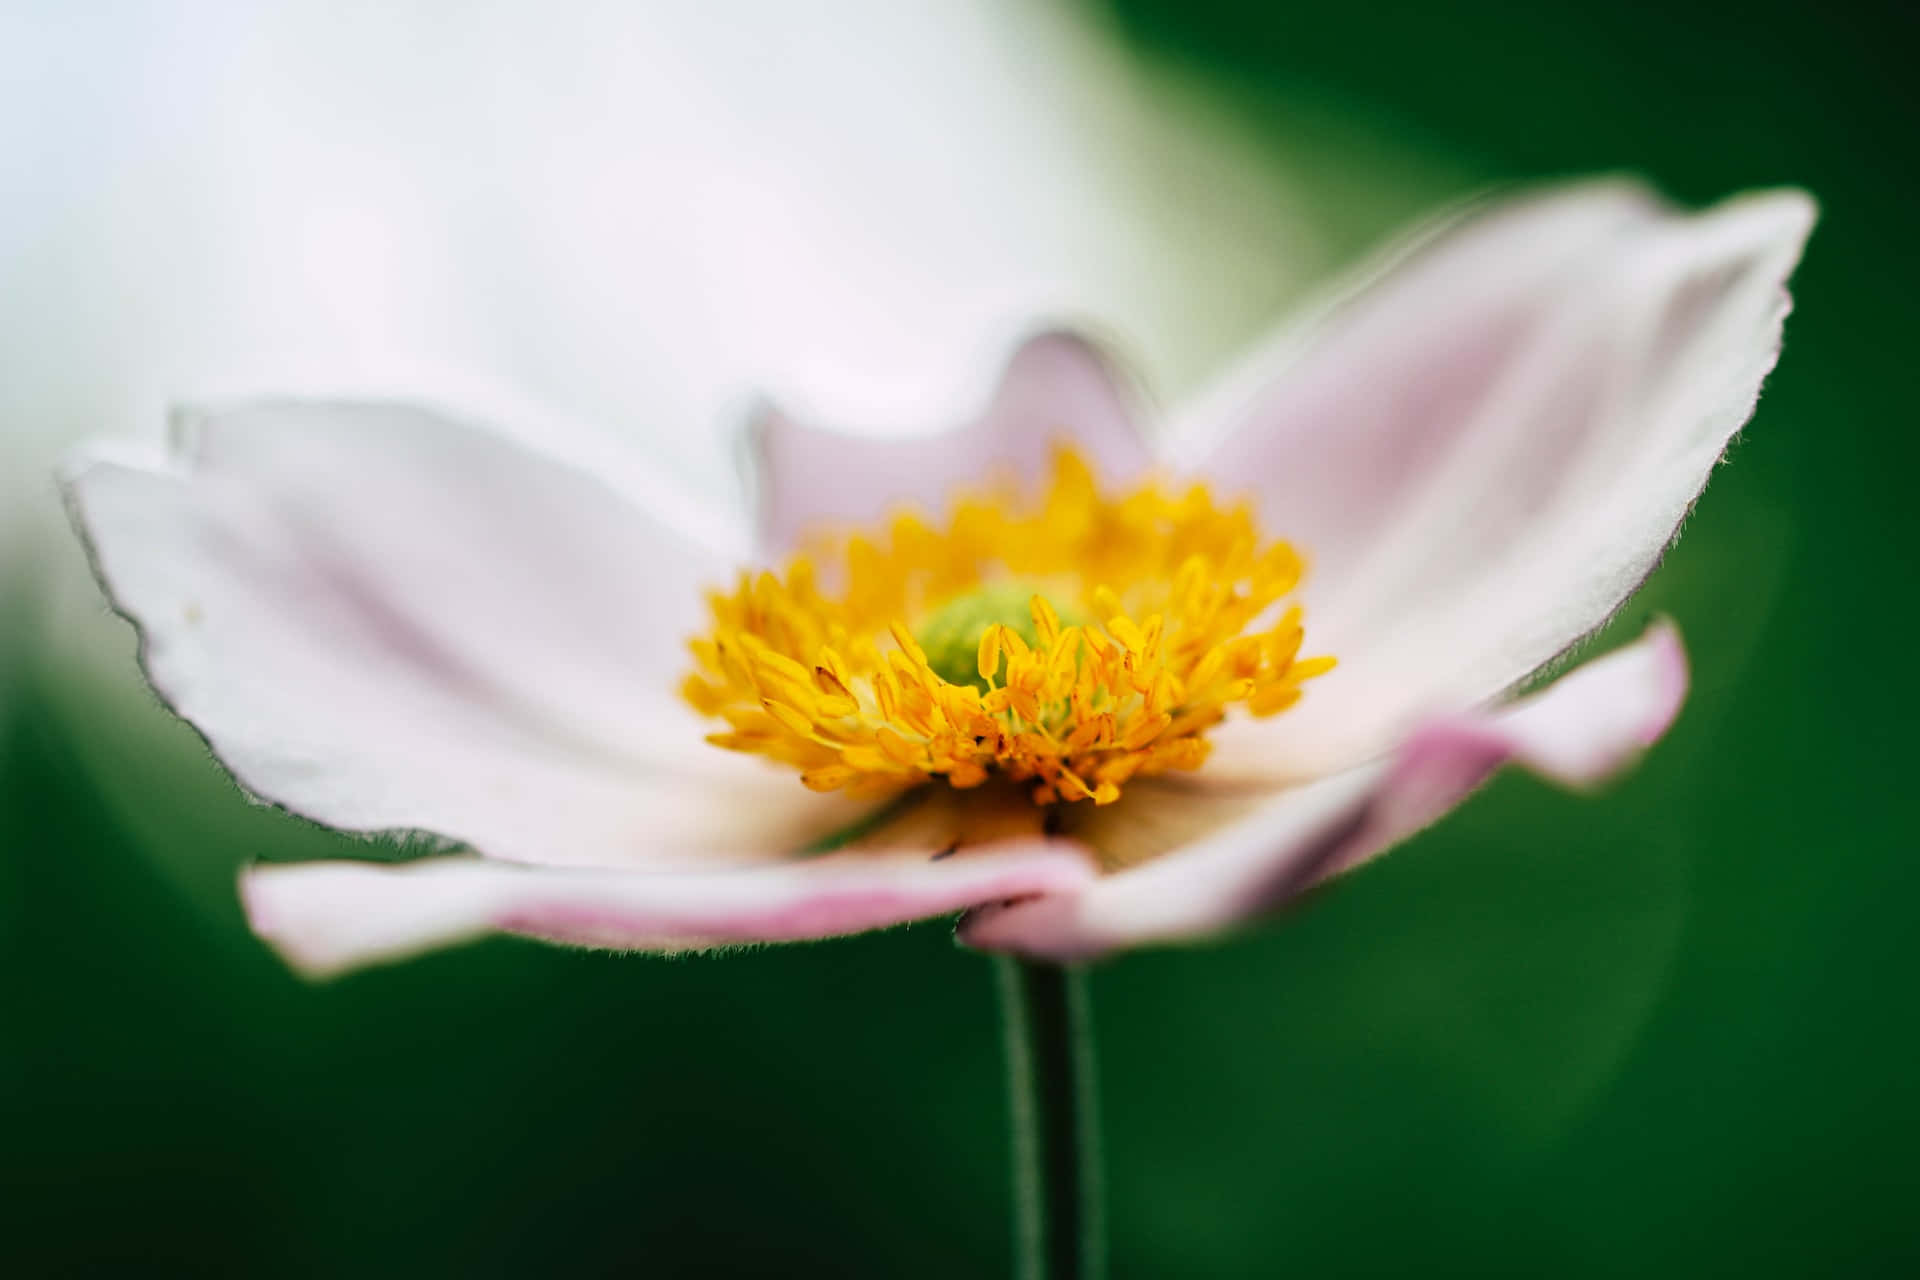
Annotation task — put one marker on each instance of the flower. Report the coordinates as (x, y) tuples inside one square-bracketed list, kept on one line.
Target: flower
[(385, 619)]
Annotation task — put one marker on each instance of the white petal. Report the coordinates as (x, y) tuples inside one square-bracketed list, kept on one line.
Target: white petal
[(1056, 389), (1339, 415), (381, 618), (326, 917), (1489, 451), (1578, 731)]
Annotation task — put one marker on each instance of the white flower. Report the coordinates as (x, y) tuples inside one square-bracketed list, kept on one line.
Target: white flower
[(382, 618)]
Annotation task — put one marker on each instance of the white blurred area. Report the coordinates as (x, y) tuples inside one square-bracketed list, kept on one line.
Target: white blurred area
[(625, 217)]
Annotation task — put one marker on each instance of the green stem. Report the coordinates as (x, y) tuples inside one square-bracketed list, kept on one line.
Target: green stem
[(1059, 1232)]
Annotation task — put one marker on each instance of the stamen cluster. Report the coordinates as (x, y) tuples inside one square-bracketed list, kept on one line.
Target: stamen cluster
[(1170, 603)]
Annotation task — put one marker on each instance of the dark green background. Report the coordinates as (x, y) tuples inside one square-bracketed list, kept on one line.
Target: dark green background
[(1668, 1030)]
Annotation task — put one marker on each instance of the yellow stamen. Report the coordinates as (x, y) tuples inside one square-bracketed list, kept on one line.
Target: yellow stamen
[(1073, 644)]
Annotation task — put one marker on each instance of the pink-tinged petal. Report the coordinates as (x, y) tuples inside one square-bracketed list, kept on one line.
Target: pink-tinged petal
[(1578, 731), (1330, 423), (328, 917), (1056, 388), (1471, 517), (381, 618)]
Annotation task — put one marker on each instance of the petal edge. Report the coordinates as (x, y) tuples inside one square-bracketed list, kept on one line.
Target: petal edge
[(326, 918)]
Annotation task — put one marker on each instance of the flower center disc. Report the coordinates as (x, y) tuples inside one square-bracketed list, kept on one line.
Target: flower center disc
[(952, 633), (1074, 643)]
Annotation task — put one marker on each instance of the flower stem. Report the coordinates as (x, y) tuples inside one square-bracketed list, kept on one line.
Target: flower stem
[(1059, 1233)]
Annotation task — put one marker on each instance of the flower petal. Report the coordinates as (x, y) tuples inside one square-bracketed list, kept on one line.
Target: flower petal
[(1578, 731), (327, 917), (1330, 422), (1487, 453), (381, 618), (1056, 388)]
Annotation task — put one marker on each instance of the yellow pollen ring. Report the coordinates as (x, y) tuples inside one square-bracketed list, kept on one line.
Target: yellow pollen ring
[(1073, 644)]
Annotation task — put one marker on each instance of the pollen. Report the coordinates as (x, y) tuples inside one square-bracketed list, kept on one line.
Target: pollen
[(1068, 642)]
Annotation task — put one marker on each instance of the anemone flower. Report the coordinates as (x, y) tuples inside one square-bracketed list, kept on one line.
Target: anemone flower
[(1085, 691)]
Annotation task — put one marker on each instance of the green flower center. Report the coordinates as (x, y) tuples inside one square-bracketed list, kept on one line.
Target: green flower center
[(951, 634)]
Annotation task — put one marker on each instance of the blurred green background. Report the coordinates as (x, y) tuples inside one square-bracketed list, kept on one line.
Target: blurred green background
[(1663, 1031)]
